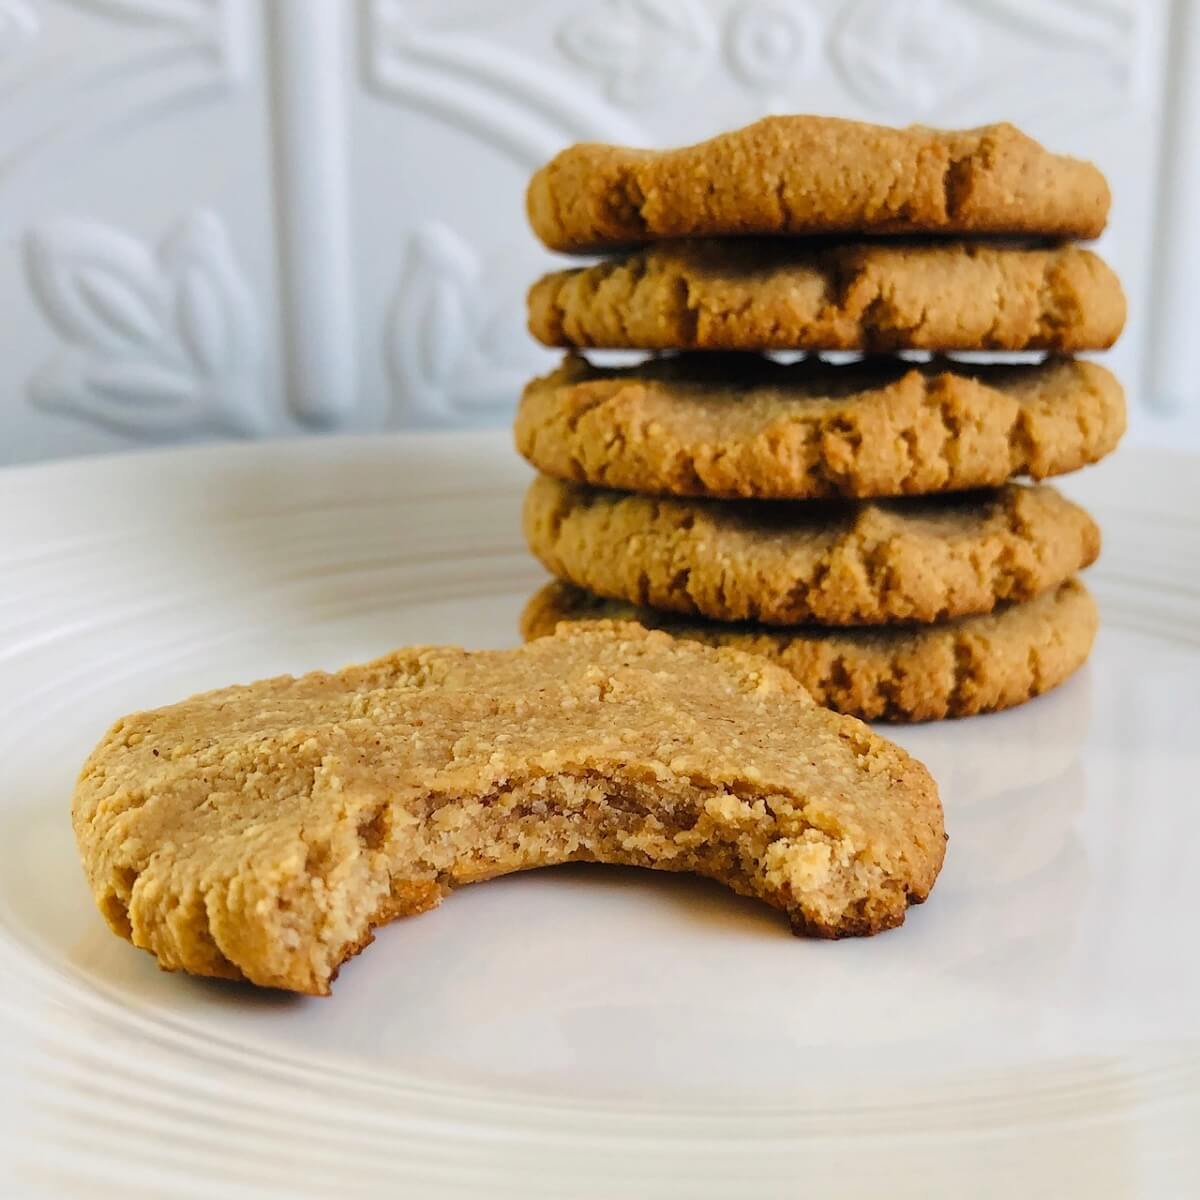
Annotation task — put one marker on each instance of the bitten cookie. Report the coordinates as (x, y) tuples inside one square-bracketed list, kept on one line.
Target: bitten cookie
[(859, 562), (761, 295), (260, 832), (885, 673), (744, 426), (805, 175)]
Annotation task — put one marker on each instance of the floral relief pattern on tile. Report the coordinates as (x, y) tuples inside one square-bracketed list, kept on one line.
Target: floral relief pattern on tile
[(156, 342), (911, 55), (455, 342), (643, 50), (769, 43)]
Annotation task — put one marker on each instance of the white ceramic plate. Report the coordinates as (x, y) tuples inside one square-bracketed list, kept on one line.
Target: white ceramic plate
[(1031, 1031)]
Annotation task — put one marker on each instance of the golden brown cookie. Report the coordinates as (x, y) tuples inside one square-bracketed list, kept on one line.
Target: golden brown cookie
[(744, 426), (862, 562), (806, 175), (760, 295), (261, 832), (884, 673)]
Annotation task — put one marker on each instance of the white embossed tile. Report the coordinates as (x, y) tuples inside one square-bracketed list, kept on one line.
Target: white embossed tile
[(357, 170)]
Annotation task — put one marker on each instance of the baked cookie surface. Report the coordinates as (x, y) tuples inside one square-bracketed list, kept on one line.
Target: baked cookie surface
[(806, 175), (871, 296), (260, 832), (858, 562), (742, 426), (884, 673)]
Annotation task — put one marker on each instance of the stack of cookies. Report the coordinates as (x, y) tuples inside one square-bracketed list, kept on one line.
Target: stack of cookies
[(858, 522)]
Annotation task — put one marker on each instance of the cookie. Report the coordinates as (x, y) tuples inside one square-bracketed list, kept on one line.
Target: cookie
[(806, 175), (260, 832), (744, 426), (758, 295), (885, 673), (861, 562)]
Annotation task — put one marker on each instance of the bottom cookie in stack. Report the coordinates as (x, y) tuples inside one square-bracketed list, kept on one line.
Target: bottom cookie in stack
[(883, 672), (909, 609)]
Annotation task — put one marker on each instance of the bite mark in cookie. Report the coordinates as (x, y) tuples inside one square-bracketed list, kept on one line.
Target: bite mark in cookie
[(261, 832)]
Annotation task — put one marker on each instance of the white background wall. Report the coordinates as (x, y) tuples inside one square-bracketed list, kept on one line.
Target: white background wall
[(251, 217)]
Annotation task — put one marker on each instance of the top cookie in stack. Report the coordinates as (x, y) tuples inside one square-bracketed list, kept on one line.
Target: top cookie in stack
[(770, 239)]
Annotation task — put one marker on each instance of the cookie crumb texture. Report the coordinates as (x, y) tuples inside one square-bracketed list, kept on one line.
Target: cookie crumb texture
[(861, 562), (889, 673), (261, 832), (806, 175), (756, 295), (741, 426)]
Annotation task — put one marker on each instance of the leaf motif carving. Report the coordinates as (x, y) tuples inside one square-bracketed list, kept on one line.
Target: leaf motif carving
[(641, 48), (156, 343), (214, 309), (119, 306), (203, 324), (124, 397), (669, 17), (601, 45), (97, 286), (429, 317), (440, 275), (441, 328), (443, 352), (907, 55), (135, 383)]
